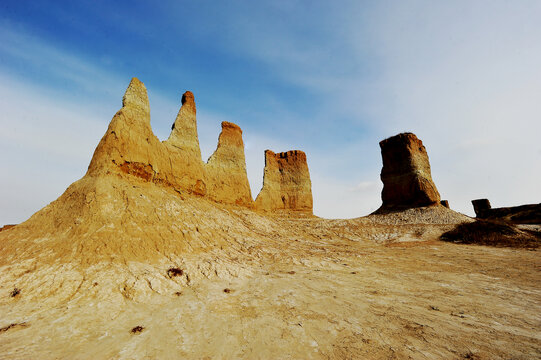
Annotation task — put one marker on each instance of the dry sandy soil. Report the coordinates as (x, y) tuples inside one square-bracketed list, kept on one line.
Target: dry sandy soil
[(255, 286)]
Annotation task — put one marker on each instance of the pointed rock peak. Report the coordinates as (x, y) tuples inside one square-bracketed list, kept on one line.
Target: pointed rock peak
[(188, 98), (184, 130), (136, 96), (226, 168), (186, 114), (231, 135)]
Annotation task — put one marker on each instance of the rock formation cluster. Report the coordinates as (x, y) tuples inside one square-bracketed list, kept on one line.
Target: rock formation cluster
[(406, 176), (286, 182), (129, 147)]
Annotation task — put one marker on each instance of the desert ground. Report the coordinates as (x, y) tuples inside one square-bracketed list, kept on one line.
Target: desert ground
[(154, 254), (228, 282)]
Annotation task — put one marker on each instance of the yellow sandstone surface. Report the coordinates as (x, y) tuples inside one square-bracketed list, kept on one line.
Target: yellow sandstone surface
[(286, 183)]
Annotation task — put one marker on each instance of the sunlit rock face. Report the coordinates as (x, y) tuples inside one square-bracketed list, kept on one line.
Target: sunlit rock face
[(226, 168), (286, 183), (406, 176), (129, 147)]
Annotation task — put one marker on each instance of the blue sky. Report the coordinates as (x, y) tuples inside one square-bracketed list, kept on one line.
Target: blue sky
[(330, 78)]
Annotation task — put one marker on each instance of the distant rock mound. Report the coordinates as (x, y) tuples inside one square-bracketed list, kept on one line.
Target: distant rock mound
[(522, 214), (406, 176), (286, 183), (226, 168), (480, 207)]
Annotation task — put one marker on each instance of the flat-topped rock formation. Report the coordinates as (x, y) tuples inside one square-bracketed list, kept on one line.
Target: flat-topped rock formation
[(226, 168), (406, 176), (522, 214), (286, 183)]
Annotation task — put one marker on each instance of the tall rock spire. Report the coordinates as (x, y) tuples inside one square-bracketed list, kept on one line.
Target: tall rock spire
[(286, 183), (183, 145), (226, 168), (129, 138), (184, 130), (406, 175), (136, 97)]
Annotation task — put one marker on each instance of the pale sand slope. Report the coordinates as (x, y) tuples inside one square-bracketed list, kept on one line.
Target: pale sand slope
[(93, 265)]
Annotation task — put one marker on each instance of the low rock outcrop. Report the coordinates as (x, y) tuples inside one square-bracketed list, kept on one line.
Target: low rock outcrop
[(286, 183), (226, 168), (481, 206), (522, 214), (406, 176)]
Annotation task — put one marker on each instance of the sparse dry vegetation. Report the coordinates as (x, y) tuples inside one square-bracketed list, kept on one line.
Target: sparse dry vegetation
[(15, 292), (137, 329), (172, 272)]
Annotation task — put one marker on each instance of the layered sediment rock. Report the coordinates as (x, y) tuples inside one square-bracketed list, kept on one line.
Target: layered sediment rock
[(226, 168), (406, 176), (286, 183)]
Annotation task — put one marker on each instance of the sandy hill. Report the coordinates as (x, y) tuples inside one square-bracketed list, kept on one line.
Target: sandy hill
[(157, 254)]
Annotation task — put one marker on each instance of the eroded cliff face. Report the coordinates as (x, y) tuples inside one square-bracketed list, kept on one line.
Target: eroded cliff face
[(286, 183), (226, 168), (406, 176)]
